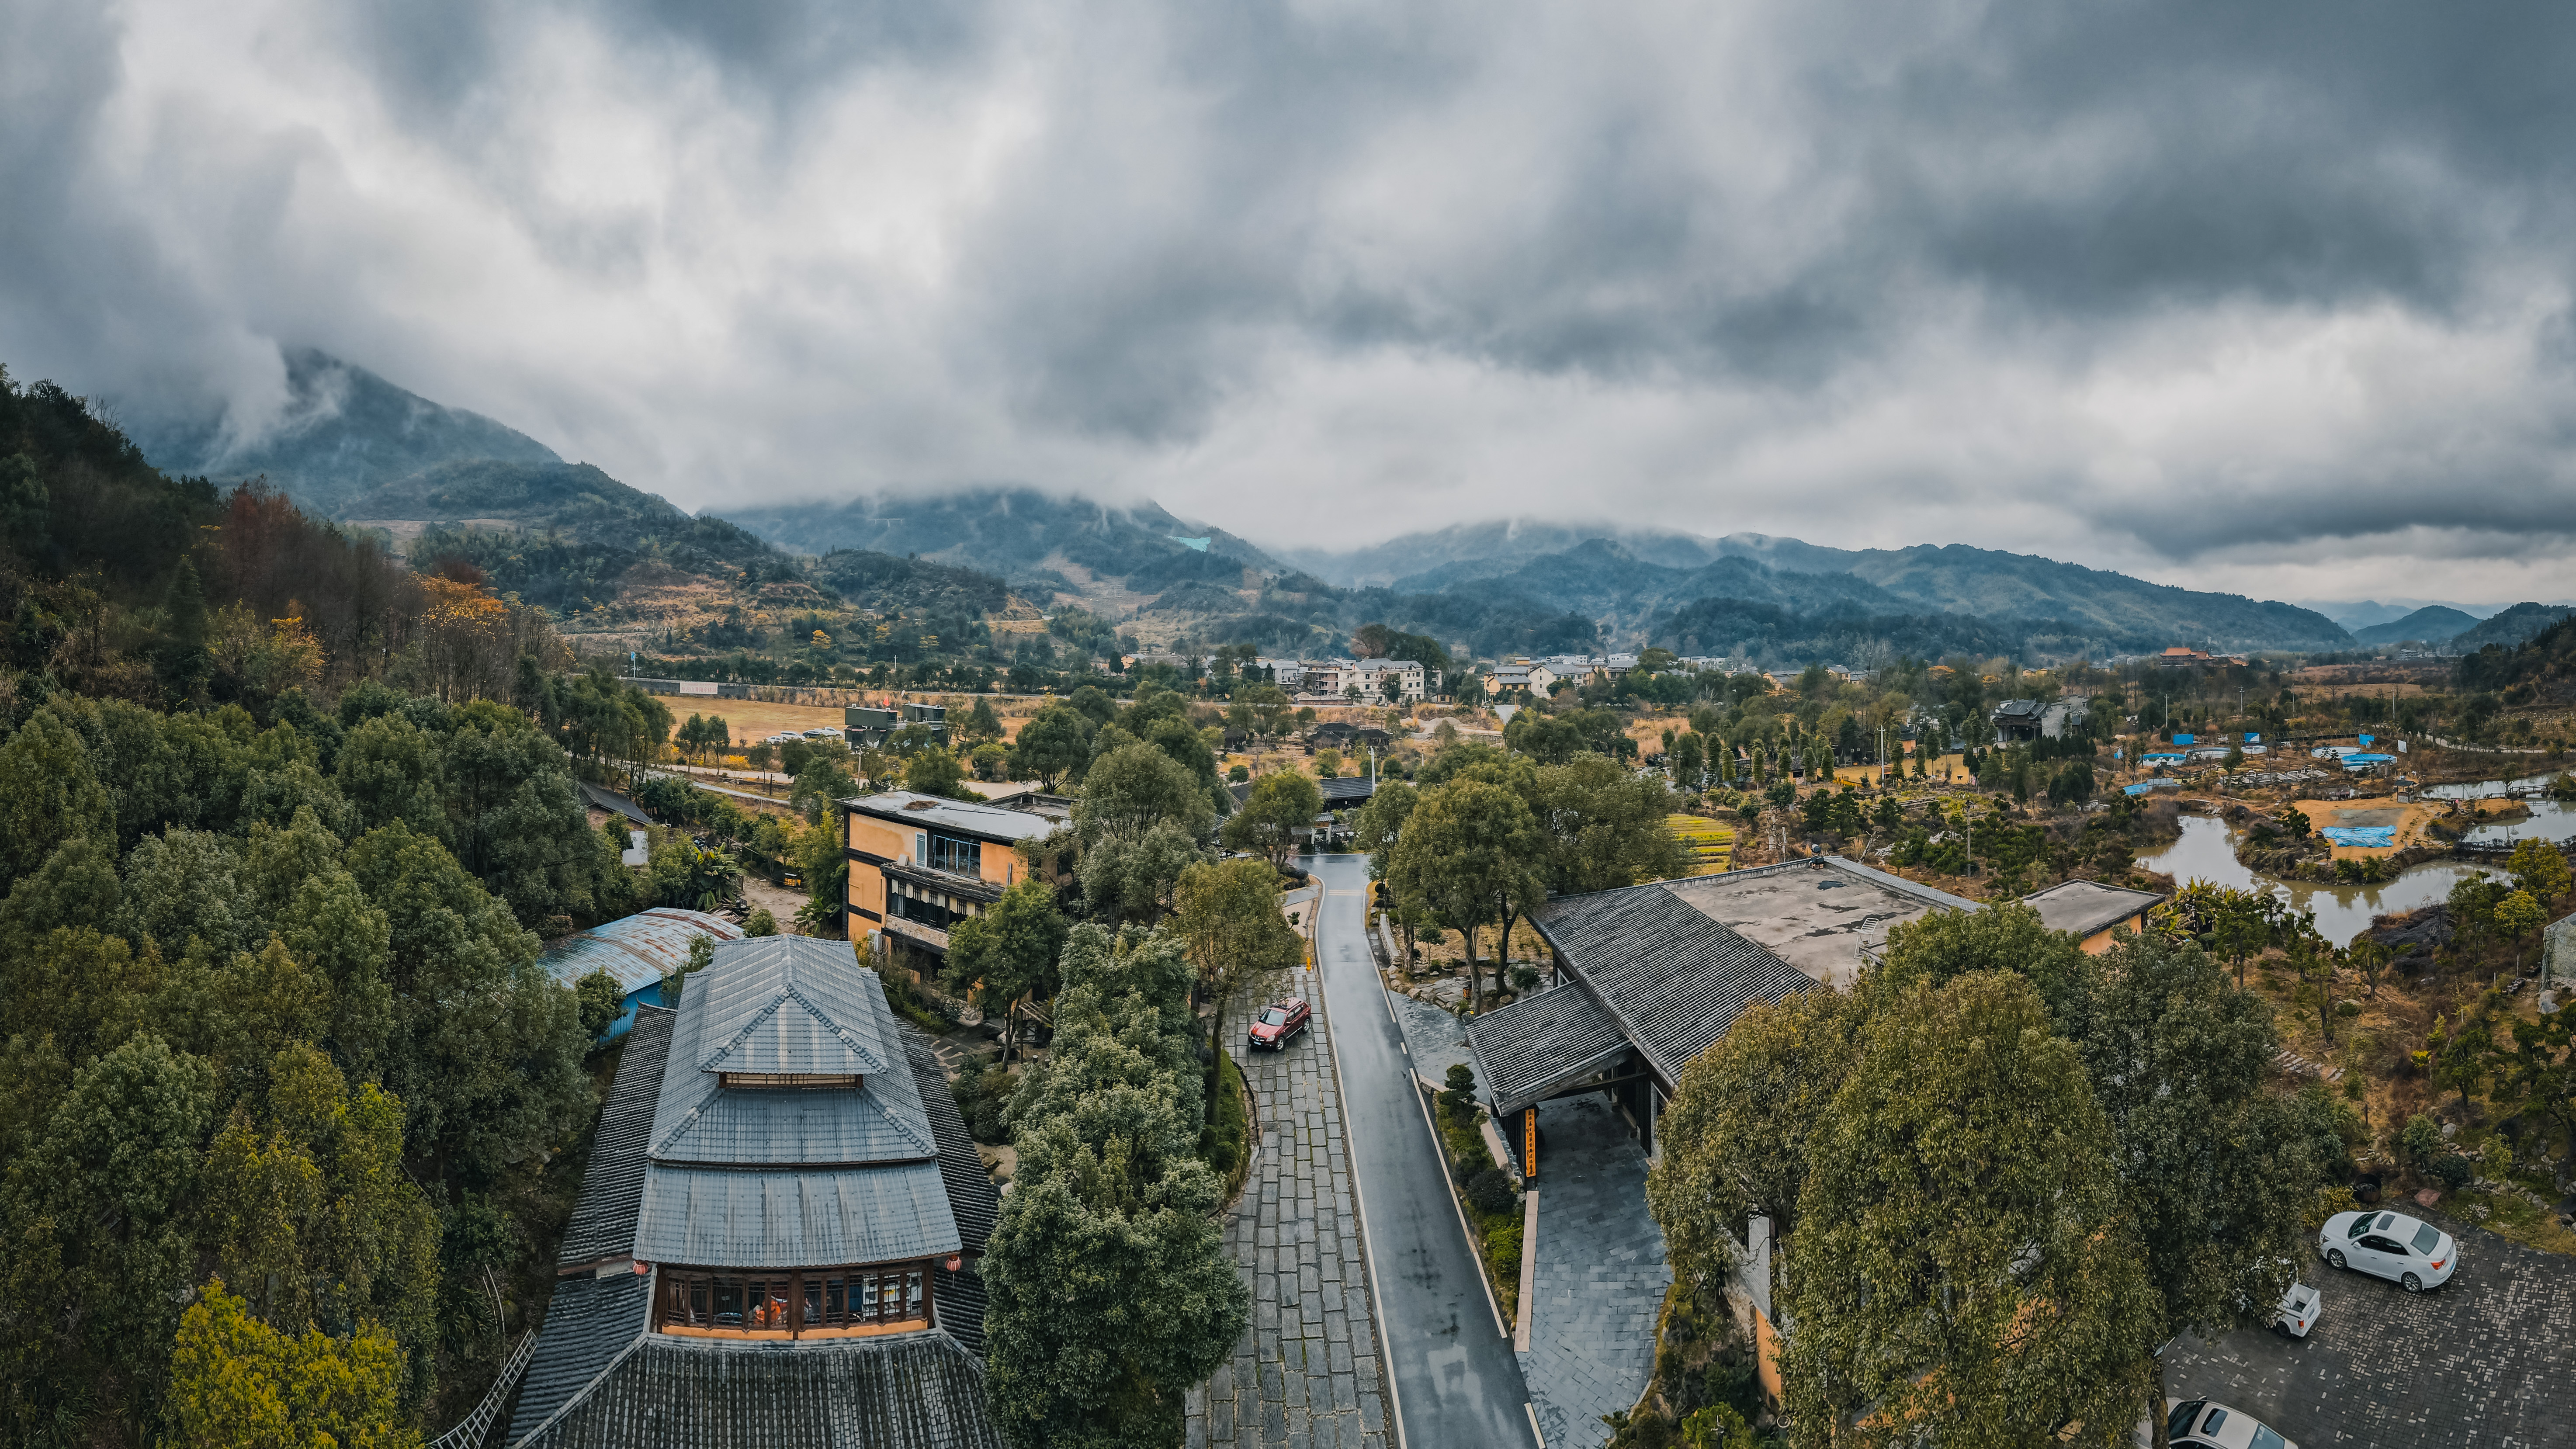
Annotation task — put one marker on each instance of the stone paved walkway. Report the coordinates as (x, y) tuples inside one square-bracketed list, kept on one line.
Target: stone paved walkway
[(1307, 1371), (1433, 1038), (1602, 1274)]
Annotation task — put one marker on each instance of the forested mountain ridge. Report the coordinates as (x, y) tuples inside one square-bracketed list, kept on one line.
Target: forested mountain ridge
[(2432, 624), (343, 430), (2511, 627)]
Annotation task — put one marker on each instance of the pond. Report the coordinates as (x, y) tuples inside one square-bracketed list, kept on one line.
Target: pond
[(2207, 851), (2549, 819)]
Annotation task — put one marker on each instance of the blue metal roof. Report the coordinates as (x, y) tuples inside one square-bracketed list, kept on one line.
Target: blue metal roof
[(639, 950)]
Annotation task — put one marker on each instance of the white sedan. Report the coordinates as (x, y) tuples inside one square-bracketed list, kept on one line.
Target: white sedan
[(2416, 1255), (2200, 1424)]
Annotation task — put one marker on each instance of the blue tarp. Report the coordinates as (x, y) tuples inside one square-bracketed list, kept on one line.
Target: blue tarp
[(2365, 835), (2363, 762), (2186, 739), (2174, 758)]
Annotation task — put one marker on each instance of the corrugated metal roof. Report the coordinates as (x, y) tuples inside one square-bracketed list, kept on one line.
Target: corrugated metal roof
[(1533, 1046), (960, 817), (722, 1217), (639, 950), (908, 1391), (612, 1184), (1674, 978), (788, 1004), (614, 803), (589, 1322)]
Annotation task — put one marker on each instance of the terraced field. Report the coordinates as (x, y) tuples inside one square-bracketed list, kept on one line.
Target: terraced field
[(1711, 846)]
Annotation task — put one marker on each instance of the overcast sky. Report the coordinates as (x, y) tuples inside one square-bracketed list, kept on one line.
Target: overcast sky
[(2267, 297)]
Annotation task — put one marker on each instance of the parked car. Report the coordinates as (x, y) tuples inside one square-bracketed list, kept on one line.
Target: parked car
[(1279, 1021), (2415, 1255), (2298, 1311), (2200, 1424)]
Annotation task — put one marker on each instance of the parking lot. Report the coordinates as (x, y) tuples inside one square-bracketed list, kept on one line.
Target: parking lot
[(2482, 1360)]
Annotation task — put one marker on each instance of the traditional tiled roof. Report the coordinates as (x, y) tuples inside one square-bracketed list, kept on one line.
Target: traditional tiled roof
[(959, 1300), (788, 1004), (826, 1001), (1673, 977), (793, 1218), (971, 1197), (2084, 906), (906, 1391), (1346, 790), (1533, 1046), (612, 1185), (589, 1322)]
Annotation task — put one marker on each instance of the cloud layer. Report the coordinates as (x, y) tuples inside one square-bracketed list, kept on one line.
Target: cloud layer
[(2272, 298)]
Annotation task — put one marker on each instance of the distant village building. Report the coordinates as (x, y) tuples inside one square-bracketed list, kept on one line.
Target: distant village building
[(1334, 679), (2016, 719), (1538, 679), (639, 950), (777, 1231)]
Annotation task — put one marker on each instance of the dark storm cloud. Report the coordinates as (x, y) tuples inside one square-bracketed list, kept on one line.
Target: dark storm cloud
[(2132, 282)]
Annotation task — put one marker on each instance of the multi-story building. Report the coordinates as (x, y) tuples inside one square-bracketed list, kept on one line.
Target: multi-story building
[(919, 864), (777, 1231), (1336, 678)]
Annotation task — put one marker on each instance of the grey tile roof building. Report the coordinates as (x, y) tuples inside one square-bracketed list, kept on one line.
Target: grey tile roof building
[(1651, 975), (612, 1185), (702, 1171), (966, 817), (922, 1391)]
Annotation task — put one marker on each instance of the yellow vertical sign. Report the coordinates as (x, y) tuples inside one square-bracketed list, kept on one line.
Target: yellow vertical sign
[(1529, 1142)]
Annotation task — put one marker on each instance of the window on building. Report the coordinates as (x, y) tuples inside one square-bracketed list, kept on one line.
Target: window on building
[(786, 1305), (956, 856)]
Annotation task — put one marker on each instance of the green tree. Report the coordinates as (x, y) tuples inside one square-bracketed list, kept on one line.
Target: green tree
[(2213, 1166), (2517, 916), (1963, 1273), (1604, 826), (239, 1383), (1736, 1135), (2462, 1054), (1942, 946), (97, 1212), (1132, 789), (981, 723), (936, 772), (389, 768), (2540, 868), (1052, 746), (1471, 851), (486, 1048), (1007, 954), (1110, 1290), (1227, 916), (1278, 805), (48, 794), (1381, 823), (599, 1000)]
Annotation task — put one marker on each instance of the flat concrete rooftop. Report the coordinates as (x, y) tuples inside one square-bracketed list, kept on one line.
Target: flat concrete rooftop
[(1818, 915)]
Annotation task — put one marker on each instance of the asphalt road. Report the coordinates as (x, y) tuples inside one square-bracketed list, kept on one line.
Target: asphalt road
[(1456, 1381)]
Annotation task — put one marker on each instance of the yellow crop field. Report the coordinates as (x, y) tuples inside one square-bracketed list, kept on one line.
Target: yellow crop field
[(1710, 846)]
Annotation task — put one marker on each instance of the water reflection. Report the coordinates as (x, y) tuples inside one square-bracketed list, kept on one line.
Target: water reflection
[(2207, 851), (2549, 819)]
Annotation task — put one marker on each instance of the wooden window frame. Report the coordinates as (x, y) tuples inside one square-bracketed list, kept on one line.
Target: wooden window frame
[(685, 1300)]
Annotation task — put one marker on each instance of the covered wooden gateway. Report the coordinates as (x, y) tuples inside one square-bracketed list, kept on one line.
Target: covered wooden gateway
[(1649, 976)]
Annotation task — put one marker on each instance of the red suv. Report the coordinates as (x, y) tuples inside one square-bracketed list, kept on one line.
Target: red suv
[(1279, 1021)]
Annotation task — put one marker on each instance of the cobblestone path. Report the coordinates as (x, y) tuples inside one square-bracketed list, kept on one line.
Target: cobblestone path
[(1307, 1372)]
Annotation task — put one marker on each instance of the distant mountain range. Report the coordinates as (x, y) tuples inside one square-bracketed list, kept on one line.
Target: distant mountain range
[(345, 430), (363, 449), (2511, 627), (2431, 623)]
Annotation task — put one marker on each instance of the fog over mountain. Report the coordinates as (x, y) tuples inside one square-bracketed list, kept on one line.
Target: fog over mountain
[(2267, 300)]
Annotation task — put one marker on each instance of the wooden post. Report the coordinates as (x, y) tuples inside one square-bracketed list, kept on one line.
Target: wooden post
[(1529, 1144)]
